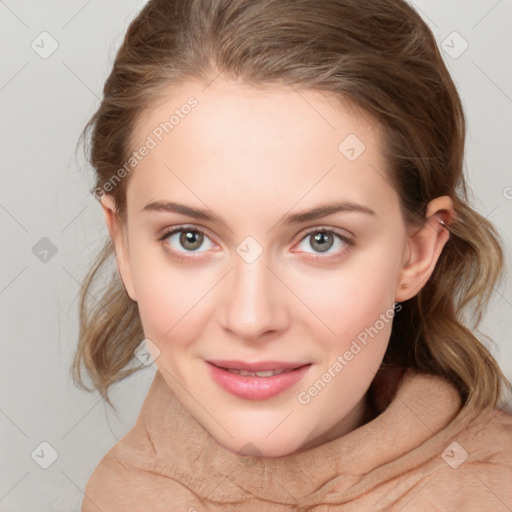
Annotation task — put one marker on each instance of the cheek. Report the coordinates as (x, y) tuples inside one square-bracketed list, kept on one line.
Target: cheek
[(354, 297), (163, 294)]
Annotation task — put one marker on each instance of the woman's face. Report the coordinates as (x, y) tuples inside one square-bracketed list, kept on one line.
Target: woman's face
[(263, 234)]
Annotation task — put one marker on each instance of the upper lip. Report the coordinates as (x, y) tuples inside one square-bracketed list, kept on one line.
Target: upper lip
[(255, 366)]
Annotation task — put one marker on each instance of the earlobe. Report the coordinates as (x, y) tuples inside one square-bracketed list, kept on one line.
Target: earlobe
[(425, 245), (119, 239)]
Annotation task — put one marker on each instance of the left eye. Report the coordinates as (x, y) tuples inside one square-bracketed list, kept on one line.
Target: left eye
[(188, 239), (321, 240)]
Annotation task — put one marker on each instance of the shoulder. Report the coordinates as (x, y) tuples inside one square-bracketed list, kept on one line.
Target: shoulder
[(489, 437), (118, 486), (95, 494), (474, 470), (108, 486)]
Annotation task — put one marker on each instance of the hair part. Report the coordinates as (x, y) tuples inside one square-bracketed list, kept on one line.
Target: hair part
[(381, 57)]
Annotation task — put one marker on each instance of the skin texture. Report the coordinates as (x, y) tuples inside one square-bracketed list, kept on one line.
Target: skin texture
[(252, 156)]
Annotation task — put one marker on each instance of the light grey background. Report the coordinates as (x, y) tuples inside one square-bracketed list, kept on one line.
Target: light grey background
[(45, 103)]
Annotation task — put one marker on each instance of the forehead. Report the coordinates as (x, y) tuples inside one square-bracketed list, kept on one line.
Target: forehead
[(225, 107), (233, 144)]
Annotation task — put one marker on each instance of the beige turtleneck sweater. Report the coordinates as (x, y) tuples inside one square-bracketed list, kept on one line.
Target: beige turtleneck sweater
[(421, 452)]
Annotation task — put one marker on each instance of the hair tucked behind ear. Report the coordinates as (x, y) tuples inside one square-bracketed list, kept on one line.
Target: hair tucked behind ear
[(432, 335), (377, 54)]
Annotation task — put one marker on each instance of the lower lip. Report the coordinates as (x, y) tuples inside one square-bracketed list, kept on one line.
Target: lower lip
[(256, 388)]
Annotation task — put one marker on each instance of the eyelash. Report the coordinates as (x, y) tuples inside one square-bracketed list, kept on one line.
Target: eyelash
[(180, 258)]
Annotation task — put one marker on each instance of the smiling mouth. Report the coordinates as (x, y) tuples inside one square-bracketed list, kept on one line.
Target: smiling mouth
[(258, 380)]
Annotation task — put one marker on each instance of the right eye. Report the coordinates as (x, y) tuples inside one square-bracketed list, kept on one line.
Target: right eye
[(182, 241)]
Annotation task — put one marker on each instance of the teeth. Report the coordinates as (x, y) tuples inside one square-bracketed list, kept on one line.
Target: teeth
[(267, 373)]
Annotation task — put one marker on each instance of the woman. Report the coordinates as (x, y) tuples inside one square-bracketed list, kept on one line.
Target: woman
[(282, 183)]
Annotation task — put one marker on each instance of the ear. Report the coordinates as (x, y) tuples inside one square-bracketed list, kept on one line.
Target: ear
[(424, 246), (119, 237)]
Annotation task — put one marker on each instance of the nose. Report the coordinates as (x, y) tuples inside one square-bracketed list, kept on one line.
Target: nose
[(254, 303)]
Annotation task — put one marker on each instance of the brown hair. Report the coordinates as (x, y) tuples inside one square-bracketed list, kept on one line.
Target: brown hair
[(382, 57)]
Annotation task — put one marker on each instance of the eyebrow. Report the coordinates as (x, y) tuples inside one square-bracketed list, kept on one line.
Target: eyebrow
[(315, 213)]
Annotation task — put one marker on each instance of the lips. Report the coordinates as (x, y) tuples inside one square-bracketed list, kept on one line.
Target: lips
[(258, 380)]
